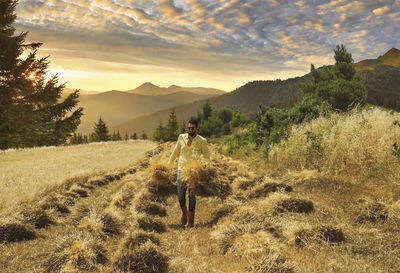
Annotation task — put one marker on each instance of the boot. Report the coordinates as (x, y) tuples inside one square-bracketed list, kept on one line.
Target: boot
[(190, 219), (184, 215)]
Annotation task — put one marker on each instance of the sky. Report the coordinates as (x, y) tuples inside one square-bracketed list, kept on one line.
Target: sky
[(120, 44)]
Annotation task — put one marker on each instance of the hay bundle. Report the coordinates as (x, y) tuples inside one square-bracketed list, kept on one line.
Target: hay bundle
[(144, 259), (242, 183), (55, 205), (98, 181), (226, 233), (110, 224), (160, 180), (271, 262), (251, 244), (138, 238), (220, 212), (323, 233), (373, 212), (151, 208), (294, 205), (145, 196), (75, 252), (265, 189), (15, 232), (203, 181), (123, 198), (149, 223), (39, 218)]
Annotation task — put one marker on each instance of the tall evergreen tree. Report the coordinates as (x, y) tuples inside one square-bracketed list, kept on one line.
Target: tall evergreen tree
[(134, 136), (100, 131), (338, 85), (172, 127), (207, 109), (160, 133), (126, 137), (30, 111), (144, 135)]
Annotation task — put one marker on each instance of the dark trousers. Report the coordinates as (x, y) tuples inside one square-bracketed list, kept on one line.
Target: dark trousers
[(182, 188)]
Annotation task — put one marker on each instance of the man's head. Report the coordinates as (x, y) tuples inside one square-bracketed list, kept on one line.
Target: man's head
[(192, 127)]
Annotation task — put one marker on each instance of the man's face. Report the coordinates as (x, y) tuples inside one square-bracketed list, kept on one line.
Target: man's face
[(192, 129)]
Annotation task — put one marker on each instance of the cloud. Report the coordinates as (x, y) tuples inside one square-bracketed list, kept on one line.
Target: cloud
[(232, 36), (381, 11)]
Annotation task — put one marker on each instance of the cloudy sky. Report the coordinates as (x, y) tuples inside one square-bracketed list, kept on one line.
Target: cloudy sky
[(120, 44)]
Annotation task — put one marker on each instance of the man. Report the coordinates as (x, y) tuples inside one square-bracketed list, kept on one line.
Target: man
[(189, 147)]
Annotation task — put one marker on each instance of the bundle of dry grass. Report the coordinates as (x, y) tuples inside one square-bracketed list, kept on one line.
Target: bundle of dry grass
[(226, 233), (319, 234), (265, 189), (251, 244), (150, 223), (271, 263), (204, 181), (161, 180), (138, 238), (242, 183), (123, 198), (144, 259), (221, 211), (98, 181), (75, 252), (93, 224), (111, 224), (373, 212), (294, 205), (79, 191), (39, 218), (54, 204), (147, 196), (16, 232), (151, 208)]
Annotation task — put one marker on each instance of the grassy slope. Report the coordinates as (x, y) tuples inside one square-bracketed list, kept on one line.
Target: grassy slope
[(246, 232)]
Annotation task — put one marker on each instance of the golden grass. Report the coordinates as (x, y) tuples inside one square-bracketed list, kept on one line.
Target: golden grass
[(357, 145), (160, 180), (204, 181), (144, 259), (16, 232), (28, 172)]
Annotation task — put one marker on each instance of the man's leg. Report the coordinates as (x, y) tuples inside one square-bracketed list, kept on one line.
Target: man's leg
[(192, 207), (181, 187)]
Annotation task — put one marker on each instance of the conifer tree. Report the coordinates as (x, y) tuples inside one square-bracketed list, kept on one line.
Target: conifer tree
[(134, 136), (100, 131), (30, 111), (172, 127), (338, 85), (126, 137), (207, 109), (160, 133), (182, 128), (144, 135)]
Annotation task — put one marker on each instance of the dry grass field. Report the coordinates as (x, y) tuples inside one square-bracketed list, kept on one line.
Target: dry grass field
[(26, 173), (293, 220)]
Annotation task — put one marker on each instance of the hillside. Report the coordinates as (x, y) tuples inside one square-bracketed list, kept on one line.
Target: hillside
[(246, 98), (150, 89), (116, 107), (392, 58), (381, 78)]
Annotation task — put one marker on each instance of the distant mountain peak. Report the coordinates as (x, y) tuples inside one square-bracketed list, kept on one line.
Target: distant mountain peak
[(174, 86), (148, 85)]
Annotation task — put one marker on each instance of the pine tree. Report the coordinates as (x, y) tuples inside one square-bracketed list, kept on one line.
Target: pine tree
[(30, 111), (144, 135), (207, 110), (172, 127), (118, 136), (85, 139), (134, 136), (126, 137), (338, 85), (160, 133), (100, 131), (182, 128)]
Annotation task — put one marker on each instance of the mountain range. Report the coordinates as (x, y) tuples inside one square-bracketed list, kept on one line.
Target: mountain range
[(151, 104), (116, 107)]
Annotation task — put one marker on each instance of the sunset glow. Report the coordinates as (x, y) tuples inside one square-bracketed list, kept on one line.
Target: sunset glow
[(119, 44)]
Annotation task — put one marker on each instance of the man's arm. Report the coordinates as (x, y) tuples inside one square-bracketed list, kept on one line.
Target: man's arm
[(175, 153)]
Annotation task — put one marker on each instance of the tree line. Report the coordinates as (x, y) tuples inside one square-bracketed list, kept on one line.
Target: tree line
[(101, 133)]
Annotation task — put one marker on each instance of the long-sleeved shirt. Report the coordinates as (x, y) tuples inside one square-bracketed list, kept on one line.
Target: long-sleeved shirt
[(189, 153)]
